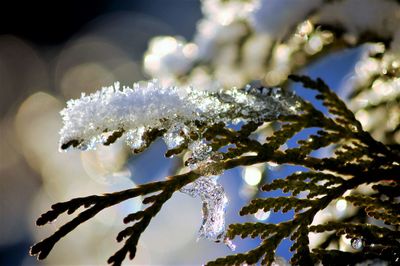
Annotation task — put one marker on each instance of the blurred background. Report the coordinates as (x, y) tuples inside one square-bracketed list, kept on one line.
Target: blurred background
[(51, 51)]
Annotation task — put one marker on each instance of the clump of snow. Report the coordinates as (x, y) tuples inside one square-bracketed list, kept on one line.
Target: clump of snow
[(277, 17), (90, 119)]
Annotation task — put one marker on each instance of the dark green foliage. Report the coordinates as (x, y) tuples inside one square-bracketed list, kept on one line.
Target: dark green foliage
[(281, 203), (357, 160)]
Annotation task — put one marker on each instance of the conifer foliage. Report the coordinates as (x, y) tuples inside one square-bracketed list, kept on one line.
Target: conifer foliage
[(210, 113), (358, 159)]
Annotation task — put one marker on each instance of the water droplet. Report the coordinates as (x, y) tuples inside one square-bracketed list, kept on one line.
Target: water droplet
[(357, 243)]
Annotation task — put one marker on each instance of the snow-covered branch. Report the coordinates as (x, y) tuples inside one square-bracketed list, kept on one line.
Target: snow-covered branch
[(131, 112)]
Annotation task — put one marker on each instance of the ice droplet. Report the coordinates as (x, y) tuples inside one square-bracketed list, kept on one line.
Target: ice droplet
[(357, 243), (214, 201)]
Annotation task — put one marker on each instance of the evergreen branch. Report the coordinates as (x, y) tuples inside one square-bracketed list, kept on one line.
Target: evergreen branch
[(359, 160), (302, 254), (295, 187), (284, 203), (106, 200), (250, 257), (250, 229), (370, 233), (287, 131), (389, 189), (377, 208), (334, 104), (373, 200), (332, 257), (134, 232), (316, 177), (42, 248)]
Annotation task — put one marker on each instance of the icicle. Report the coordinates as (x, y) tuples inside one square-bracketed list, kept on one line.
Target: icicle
[(211, 193), (214, 202)]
